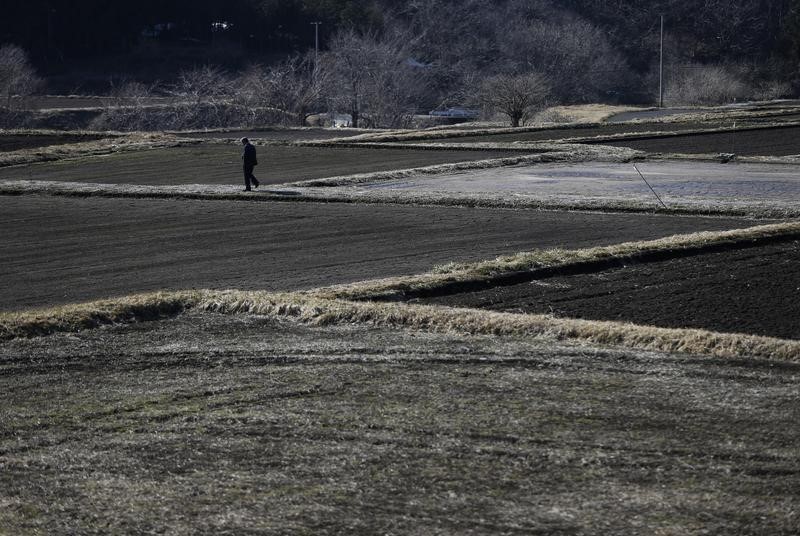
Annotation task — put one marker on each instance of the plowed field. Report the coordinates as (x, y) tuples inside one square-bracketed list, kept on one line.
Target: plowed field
[(753, 290), (221, 164), (61, 250)]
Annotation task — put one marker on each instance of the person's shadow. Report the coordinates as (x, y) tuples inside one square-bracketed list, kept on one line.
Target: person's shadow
[(285, 193)]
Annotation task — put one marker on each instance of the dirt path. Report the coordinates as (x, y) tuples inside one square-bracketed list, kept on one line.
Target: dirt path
[(58, 250), (221, 164), (754, 290)]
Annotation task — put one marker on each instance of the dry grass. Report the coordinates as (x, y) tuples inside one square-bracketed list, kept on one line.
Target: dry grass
[(58, 133), (592, 113), (114, 144), (135, 308), (394, 288), (470, 321), (213, 424), (555, 257), (309, 309), (722, 114), (436, 134)]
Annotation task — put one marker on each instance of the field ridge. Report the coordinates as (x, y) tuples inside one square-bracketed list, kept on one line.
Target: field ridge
[(551, 261), (348, 304)]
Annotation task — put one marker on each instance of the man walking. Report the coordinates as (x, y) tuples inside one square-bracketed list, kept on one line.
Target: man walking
[(249, 161)]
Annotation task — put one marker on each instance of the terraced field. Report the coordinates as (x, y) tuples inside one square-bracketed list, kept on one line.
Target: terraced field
[(372, 368), (221, 164), (62, 250), (779, 141), (585, 131), (16, 142)]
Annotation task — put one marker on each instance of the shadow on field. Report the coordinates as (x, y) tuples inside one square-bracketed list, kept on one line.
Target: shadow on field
[(283, 193)]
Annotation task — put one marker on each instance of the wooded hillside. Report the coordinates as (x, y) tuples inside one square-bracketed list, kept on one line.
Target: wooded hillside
[(591, 50)]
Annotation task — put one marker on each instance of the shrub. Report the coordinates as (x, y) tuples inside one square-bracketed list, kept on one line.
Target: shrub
[(704, 84)]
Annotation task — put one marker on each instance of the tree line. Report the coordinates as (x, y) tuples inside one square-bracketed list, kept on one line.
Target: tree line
[(704, 30), (383, 61)]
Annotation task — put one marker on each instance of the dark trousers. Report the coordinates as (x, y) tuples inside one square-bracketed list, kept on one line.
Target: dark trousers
[(249, 177)]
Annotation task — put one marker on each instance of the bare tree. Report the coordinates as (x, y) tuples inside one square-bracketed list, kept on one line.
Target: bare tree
[(129, 108), (298, 85), (252, 91), (203, 85), (518, 97), (374, 79), (204, 96), (575, 55), (17, 75), (349, 58), (254, 95), (132, 93)]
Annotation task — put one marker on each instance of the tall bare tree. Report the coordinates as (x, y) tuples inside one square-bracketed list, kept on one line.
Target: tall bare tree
[(349, 58), (17, 75), (298, 86), (575, 55), (374, 77), (204, 96), (203, 85)]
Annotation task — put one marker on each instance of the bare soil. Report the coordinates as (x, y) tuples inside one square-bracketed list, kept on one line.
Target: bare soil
[(221, 164), (238, 425), (15, 142), (754, 290), (61, 250), (779, 141)]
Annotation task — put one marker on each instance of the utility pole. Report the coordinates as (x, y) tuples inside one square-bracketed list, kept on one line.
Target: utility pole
[(316, 40), (661, 68), (315, 72)]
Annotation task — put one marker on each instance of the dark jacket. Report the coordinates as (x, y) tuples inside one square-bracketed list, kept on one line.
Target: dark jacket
[(249, 155)]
